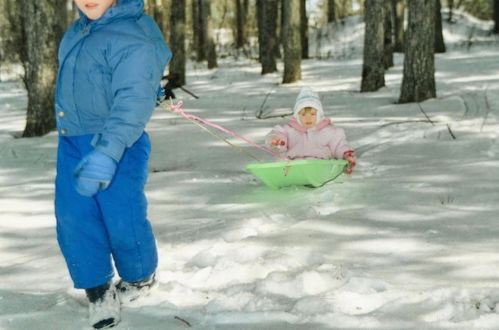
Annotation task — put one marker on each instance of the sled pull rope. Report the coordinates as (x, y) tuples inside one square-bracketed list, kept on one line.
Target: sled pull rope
[(195, 119)]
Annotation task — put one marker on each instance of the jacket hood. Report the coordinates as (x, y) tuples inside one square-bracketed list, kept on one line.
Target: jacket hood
[(123, 9), (308, 98)]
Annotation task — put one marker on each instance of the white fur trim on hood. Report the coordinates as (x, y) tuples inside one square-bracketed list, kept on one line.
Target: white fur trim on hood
[(308, 98)]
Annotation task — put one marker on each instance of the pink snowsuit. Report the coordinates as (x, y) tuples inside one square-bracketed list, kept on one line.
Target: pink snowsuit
[(324, 141)]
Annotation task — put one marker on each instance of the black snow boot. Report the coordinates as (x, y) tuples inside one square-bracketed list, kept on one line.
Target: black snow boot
[(104, 306)]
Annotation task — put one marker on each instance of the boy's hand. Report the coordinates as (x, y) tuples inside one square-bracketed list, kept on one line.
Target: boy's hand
[(276, 142), (94, 173), (349, 156)]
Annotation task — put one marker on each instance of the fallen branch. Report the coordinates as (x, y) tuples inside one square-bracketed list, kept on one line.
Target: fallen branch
[(451, 133), (189, 92), (406, 122), (260, 112), (183, 321), (424, 113)]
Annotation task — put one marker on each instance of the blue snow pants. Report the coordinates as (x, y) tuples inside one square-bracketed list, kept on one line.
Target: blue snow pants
[(111, 226)]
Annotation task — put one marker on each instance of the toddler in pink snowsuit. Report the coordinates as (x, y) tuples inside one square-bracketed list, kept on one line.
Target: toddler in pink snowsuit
[(309, 135)]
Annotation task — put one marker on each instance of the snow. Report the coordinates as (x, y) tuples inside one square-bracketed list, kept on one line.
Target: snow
[(409, 241)]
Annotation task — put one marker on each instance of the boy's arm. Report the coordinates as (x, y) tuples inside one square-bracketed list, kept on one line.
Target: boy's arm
[(137, 71)]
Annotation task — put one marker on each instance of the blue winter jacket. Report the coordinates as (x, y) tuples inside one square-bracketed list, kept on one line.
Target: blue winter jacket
[(109, 74)]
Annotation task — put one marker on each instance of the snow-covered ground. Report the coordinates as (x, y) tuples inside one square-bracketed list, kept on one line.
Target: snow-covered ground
[(409, 241)]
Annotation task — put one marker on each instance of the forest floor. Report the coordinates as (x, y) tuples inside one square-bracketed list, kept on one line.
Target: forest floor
[(408, 241)]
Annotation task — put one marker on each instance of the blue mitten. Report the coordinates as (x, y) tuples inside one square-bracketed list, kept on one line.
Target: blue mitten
[(94, 173)]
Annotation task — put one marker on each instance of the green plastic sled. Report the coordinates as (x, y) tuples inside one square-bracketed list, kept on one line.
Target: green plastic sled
[(305, 172)]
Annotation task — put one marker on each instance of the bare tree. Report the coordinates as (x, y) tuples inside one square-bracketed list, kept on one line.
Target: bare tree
[(198, 30), (496, 16), (398, 8), (12, 38), (241, 14), (304, 29), (43, 23), (291, 41), (267, 32), (388, 32), (373, 69), (439, 37), (331, 11), (450, 4), (177, 40), (418, 82), (207, 30)]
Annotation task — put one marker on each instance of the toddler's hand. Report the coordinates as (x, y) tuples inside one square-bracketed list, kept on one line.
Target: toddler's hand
[(349, 156), (277, 142)]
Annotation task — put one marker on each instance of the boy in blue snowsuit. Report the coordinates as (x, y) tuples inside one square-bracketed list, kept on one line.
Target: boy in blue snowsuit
[(111, 61)]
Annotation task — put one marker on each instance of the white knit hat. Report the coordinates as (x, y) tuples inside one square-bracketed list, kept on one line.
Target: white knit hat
[(308, 98)]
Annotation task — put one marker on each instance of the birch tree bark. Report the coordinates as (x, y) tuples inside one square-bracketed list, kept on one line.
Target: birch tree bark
[(291, 41), (418, 82), (373, 69), (43, 23)]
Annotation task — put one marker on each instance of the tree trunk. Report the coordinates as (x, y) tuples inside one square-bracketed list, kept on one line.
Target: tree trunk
[(398, 25), (291, 41), (496, 16), (43, 24), (331, 11), (207, 27), (199, 29), (177, 40), (304, 29), (373, 69), (12, 36), (344, 8), (450, 3), (161, 14), (439, 37), (418, 82), (267, 31), (240, 24), (388, 32)]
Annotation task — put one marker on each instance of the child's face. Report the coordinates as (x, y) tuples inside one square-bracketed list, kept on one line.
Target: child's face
[(94, 9), (308, 117)]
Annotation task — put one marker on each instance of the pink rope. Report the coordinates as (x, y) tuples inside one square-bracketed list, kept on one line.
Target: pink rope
[(178, 109)]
